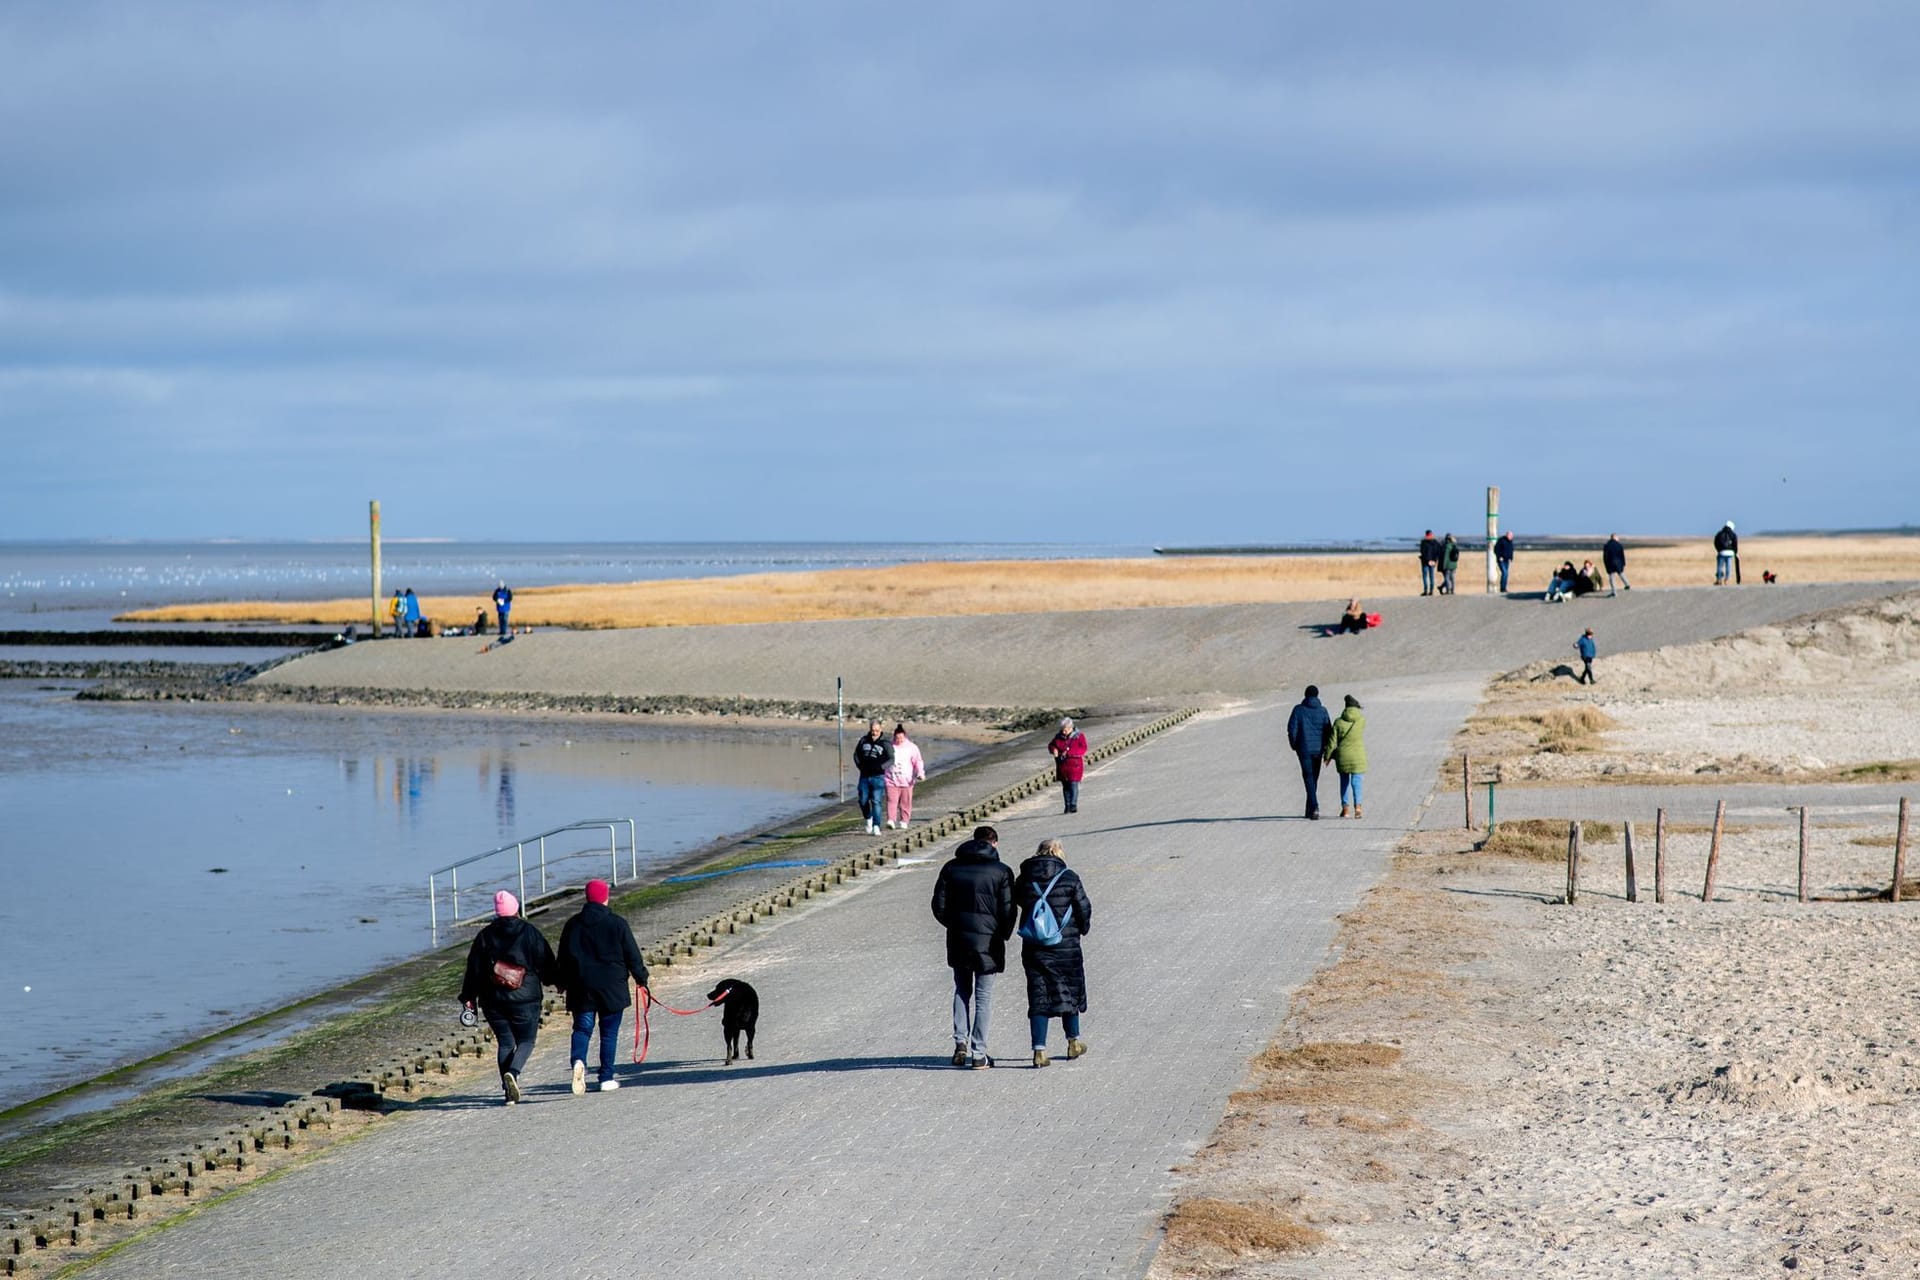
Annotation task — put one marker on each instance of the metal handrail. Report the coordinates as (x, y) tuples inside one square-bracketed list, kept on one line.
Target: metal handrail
[(519, 849)]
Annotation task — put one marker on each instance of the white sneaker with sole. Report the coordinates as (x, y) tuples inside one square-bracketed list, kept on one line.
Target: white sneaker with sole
[(608, 1086), (579, 1076), (510, 1084)]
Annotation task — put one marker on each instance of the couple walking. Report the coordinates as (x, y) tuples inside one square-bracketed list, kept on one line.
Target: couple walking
[(510, 959), (979, 901), (889, 771), (1317, 737)]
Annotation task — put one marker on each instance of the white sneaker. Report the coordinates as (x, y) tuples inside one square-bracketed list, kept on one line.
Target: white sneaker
[(579, 1076), (608, 1086)]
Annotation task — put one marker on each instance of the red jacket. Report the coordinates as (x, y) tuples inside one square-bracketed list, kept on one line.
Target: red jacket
[(1070, 755)]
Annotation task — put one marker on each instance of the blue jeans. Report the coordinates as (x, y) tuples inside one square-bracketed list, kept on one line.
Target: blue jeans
[(1446, 581), (1310, 775), (1504, 566), (1426, 579), (1070, 792), (1723, 567), (972, 1010), (503, 622), (583, 1020), (1350, 784), (872, 793), (1069, 1023)]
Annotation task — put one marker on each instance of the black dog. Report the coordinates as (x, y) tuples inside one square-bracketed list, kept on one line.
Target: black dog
[(739, 1011)]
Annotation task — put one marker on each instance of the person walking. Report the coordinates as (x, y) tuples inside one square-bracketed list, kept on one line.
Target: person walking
[(973, 901), (1449, 564), (1069, 752), (1347, 748), (1614, 557), (506, 964), (503, 604), (1056, 972), (1587, 649), (871, 756), (1503, 556), (906, 768), (597, 956), (1308, 729), (1726, 548), (1429, 560)]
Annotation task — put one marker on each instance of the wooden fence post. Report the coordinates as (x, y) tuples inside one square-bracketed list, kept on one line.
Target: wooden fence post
[(1633, 883), (1900, 850), (1713, 852), (1573, 862), (1659, 855), (1803, 853), (1466, 785)]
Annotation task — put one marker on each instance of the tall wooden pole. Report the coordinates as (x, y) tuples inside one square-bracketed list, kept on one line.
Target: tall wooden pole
[(1573, 862), (1659, 855), (1493, 535), (1713, 852), (1803, 853), (373, 522), (1466, 785), (1900, 851)]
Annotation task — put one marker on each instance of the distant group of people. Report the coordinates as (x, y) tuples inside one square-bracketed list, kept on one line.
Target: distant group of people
[(510, 963), (1441, 557), (408, 620)]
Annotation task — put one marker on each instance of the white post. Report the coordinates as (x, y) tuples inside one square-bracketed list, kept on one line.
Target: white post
[(1493, 535)]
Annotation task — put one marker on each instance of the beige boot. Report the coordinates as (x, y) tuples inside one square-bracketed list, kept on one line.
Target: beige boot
[(1356, 811), (1040, 1058), (1076, 1048), (1345, 810)]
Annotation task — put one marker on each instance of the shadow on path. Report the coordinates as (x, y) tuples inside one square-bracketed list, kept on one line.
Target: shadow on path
[(1188, 822), (666, 1075)]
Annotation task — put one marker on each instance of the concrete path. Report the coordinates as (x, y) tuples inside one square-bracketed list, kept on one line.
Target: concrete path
[(1064, 659), (851, 1148)]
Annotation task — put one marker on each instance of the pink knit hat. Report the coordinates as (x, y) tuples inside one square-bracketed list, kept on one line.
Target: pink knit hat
[(505, 904), (597, 891)]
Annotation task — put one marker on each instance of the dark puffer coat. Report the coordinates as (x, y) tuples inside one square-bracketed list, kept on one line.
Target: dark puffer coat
[(1056, 975), (597, 956), (973, 898), (516, 941)]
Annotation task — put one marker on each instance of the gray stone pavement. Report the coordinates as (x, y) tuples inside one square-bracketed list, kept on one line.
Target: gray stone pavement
[(1768, 802), (850, 1148)]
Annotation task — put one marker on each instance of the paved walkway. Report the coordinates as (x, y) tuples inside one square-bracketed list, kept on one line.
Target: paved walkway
[(850, 1148)]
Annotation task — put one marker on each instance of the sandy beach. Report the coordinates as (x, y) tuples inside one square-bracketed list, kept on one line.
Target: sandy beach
[(1492, 1082)]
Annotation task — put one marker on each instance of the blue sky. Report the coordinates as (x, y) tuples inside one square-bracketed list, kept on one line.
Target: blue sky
[(1078, 271)]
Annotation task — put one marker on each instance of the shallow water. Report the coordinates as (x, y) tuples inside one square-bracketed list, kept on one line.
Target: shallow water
[(170, 869)]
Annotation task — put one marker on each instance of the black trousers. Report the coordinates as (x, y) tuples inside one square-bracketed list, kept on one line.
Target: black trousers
[(1310, 775), (514, 1027)]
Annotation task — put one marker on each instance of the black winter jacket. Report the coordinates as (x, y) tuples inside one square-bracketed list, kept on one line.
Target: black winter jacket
[(1503, 549), (973, 898), (1614, 556), (1056, 975), (597, 956), (1308, 728), (872, 758), (517, 941), (1429, 551), (1726, 540)]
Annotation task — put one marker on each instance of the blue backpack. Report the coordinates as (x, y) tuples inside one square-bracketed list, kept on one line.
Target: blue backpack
[(1039, 926)]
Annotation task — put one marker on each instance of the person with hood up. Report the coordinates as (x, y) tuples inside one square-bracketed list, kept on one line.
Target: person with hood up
[(973, 901), (871, 757), (506, 964), (597, 956), (1347, 748), (906, 768), (1726, 551), (1069, 752), (1056, 973), (1307, 733), (1449, 564)]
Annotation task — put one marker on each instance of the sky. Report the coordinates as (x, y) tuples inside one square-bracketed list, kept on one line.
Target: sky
[(1077, 272)]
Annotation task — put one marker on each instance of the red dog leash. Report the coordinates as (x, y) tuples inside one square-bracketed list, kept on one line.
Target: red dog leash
[(643, 1026)]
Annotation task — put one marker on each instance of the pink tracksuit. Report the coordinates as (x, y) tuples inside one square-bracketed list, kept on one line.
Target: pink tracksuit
[(907, 768)]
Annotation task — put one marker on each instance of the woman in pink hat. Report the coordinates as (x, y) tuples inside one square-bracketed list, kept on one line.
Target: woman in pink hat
[(506, 964), (908, 767)]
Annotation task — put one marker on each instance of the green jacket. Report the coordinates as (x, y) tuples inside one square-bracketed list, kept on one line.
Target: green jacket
[(1346, 748), (1449, 559)]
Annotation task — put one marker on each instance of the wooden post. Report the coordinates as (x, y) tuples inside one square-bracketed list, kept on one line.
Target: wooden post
[(1900, 850), (1633, 884), (1659, 855), (1803, 853), (373, 521), (1573, 863), (1713, 852), (1466, 785), (1493, 536)]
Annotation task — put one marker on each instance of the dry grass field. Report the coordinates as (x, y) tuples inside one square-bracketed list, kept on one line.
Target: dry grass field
[(1044, 586)]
